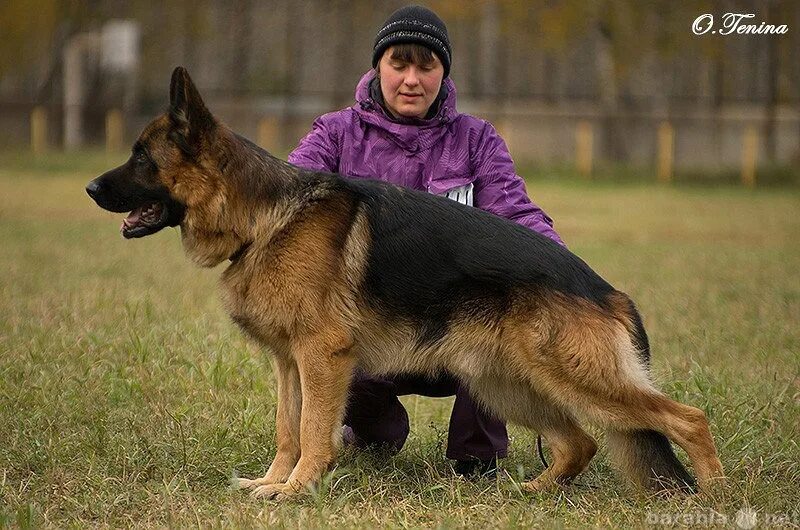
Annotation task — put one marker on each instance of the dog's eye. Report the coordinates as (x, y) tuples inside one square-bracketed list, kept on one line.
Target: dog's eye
[(140, 157)]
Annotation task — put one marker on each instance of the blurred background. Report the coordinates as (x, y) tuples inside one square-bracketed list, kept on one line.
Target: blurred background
[(577, 84)]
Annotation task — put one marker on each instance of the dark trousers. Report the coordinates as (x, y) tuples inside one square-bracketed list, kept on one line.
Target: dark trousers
[(378, 418)]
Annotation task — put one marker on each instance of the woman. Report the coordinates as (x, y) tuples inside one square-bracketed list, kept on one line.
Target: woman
[(405, 129)]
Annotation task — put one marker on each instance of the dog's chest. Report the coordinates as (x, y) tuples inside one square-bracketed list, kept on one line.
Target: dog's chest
[(255, 304)]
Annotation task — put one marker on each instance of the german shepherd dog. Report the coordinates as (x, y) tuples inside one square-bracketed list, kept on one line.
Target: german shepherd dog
[(329, 274)]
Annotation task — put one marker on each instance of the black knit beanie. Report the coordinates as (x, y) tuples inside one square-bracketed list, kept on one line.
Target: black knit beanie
[(414, 24)]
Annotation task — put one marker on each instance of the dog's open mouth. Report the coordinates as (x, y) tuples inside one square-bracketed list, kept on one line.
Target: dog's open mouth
[(145, 220)]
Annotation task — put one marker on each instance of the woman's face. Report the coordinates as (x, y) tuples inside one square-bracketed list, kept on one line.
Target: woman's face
[(409, 89)]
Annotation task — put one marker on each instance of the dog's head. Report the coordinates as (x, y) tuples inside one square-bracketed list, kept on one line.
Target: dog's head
[(167, 172)]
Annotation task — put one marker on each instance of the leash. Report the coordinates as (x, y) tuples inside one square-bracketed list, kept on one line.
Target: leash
[(541, 452), (546, 465)]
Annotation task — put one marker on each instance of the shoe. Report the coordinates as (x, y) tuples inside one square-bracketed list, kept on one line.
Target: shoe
[(351, 439), (348, 436), (476, 468)]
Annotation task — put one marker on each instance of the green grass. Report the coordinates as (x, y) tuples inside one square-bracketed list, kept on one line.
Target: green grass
[(127, 397)]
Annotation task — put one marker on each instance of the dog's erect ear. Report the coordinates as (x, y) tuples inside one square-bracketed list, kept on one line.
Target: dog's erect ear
[(189, 115)]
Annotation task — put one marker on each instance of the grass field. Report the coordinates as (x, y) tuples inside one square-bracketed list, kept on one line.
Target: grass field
[(127, 397)]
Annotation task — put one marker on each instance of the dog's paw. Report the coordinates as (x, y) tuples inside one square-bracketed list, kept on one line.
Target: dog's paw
[(246, 483), (276, 492), (712, 486), (534, 485), (541, 484)]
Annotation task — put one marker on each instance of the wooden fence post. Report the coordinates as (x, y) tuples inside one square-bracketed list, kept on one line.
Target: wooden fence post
[(584, 140), (114, 131), (38, 130), (749, 156), (503, 128), (666, 152), (268, 133)]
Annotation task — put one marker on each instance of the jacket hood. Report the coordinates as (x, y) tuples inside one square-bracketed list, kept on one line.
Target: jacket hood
[(412, 134)]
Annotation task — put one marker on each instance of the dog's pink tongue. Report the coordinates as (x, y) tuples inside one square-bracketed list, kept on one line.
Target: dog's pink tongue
[(132, 219)]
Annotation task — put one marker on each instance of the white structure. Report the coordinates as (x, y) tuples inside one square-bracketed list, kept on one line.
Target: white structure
[(116, 48)]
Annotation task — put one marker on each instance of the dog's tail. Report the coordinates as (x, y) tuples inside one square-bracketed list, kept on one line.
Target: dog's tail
[(646, 456)]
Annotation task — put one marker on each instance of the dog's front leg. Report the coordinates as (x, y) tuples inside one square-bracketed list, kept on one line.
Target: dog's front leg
[(287, 424), (325, 366)]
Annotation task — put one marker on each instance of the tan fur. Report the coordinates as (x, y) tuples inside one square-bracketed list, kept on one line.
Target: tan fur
[(295, 285)]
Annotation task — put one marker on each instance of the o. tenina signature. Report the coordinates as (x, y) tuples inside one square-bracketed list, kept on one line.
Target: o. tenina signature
[(735, 23)]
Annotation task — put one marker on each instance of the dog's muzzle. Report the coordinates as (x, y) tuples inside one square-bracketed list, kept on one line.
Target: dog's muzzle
[(149, 212)]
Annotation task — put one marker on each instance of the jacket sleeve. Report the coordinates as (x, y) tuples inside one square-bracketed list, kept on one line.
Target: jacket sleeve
[(319, 150), (499, 190)]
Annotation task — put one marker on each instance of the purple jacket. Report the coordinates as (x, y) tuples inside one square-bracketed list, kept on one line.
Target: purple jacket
[(451, 154)]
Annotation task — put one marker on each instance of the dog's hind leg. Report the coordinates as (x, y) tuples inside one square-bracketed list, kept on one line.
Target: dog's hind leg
[(571, 447), (325, 366), (287, 424), (640, 420), (685, 425), (639, 423), (595, 372)]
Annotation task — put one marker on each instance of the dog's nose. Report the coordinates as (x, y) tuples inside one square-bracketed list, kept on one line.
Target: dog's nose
[(93, 189)]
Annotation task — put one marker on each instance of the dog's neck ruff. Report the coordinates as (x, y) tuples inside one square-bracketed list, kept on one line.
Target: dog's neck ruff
[(240, 252)]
